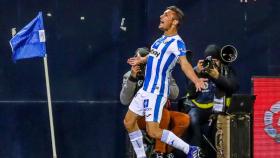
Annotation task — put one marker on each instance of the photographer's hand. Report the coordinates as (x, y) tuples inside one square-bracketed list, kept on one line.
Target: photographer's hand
[(134, 70), (137, 60), (199, 66), (214, 72)]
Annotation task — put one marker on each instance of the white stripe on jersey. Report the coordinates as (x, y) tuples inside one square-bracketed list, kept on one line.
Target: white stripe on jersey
[(164, 54)]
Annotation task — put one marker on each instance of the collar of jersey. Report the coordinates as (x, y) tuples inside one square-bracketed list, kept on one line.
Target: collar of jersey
[(170, 36)]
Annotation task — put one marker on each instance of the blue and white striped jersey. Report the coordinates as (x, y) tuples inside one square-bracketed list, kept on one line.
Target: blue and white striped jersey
[(161, 60)]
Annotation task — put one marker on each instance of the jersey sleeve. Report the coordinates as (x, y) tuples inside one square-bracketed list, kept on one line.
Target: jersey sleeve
[(180, 48)]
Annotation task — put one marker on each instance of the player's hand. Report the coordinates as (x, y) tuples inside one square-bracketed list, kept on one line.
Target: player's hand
[(134, 60), (199, 66), (134, 70), (200, 84)]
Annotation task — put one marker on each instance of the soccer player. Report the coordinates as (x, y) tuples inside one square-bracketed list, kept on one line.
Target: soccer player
[(175, 121), (151, 98)]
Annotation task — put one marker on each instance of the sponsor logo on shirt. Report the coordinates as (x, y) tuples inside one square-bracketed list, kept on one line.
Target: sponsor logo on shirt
[(155, 53)]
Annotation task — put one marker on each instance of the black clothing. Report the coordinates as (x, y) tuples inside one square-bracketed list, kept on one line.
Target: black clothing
[(225, 85)]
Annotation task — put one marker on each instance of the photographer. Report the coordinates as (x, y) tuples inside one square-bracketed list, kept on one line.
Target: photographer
[(220, 86)]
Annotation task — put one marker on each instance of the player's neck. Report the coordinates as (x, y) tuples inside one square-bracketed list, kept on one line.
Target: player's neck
[(170, 32)]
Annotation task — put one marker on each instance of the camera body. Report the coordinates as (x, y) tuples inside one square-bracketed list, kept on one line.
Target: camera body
[(208, 63), (142, 70)]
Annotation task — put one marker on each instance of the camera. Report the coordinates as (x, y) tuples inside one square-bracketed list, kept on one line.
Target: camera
[(227, 55), (142, 70), (208, 63)]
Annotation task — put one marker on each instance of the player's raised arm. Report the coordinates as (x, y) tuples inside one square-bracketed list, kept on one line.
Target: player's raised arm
[(189, 72)]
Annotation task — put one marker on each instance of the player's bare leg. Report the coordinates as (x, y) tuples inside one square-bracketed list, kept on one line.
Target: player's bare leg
[(135, 135), (169, 138)]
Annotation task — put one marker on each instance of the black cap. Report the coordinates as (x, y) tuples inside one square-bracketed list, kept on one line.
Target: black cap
[(213, 51), (143, 51)]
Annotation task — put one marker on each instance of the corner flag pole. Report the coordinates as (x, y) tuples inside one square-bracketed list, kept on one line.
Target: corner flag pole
[(29, 42), (50, 106)]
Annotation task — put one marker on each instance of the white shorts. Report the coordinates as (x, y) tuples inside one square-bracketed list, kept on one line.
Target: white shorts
[(148, 104)]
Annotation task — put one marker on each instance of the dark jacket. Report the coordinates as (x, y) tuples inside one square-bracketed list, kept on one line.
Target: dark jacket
[(225, 85)]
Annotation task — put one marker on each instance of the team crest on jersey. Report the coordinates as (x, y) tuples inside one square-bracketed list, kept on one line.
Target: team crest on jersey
[(155, 53), (166, 41)]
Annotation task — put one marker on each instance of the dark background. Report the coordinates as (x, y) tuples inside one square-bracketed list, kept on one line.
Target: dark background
[(87, 59)]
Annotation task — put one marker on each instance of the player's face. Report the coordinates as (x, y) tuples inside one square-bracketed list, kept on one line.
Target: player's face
[(166, 20)]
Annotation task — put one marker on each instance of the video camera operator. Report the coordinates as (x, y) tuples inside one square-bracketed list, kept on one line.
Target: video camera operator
[(219, 88)]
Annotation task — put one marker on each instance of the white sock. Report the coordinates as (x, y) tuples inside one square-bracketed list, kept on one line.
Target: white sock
[(171, 139), (136, 139)]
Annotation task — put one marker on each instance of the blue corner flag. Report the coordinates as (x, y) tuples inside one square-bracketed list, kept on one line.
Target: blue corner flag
[(30, 41)]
